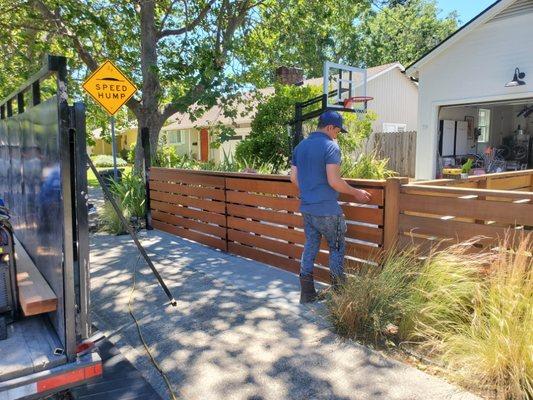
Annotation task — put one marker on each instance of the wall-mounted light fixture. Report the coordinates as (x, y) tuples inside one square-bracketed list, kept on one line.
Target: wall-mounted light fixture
[(517, 79)]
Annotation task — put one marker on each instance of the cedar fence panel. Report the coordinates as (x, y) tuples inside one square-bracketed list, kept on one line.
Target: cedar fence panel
[(429, 214), (256, 216), (189, 205)]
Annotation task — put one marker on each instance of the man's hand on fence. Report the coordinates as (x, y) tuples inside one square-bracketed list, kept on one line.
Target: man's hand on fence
[(361, 196)]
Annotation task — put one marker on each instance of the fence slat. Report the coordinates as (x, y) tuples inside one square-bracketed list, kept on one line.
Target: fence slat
[(197, 237), (275, 203), (171, 219), (171, 175), (248, 185), (176, 188), (204, 216), (208, 205), (446, 229), (376, 196), (292, 220), (273, 259), (363, 214), (469, 208)]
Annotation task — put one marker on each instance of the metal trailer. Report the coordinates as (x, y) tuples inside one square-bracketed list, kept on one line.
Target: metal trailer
[(43, 182)]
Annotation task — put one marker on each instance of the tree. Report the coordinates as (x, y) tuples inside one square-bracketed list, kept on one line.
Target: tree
[(298, 33), (403, 32), (175, 51), (269, 140)]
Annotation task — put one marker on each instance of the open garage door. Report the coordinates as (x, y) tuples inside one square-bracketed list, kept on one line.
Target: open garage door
[(498, 134)]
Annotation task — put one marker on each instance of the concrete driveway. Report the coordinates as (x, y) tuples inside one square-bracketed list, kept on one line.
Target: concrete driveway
[(238, 331)]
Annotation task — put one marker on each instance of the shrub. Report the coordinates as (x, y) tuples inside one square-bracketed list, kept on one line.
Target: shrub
[(269, 140), (166, 156), (367, 166), (109, 219), (107, 161), (131, 193)]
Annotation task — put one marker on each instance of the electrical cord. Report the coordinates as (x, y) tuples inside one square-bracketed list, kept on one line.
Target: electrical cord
[(141, 337)]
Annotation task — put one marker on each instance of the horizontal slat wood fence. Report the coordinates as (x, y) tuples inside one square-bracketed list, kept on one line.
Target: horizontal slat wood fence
[(429, 214), (514, 181), (256, 216)]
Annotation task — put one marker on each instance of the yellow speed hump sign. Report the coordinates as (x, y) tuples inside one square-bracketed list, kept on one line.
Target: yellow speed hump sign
[(109, 87)]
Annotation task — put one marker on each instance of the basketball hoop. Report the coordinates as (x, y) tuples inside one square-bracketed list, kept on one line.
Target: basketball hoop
[(350, 101)]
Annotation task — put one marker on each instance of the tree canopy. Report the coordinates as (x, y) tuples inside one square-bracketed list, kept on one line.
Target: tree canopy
[(182, 52)]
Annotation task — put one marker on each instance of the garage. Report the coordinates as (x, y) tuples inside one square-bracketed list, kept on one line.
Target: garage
[(497, 136), (476, 95)]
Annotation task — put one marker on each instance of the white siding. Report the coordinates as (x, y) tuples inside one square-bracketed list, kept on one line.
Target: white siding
[(475, 69), (395, 100)]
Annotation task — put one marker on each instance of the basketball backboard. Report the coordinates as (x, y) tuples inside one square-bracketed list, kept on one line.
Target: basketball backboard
[(342, 83)]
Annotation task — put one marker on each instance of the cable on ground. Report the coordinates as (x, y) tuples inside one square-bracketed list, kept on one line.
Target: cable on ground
[(152, 359)]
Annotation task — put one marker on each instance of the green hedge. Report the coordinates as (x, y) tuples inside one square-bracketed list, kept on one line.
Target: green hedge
[(107, 161)]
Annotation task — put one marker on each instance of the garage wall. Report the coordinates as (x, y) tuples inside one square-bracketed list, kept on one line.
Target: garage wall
[(474, 69), (395, 100)]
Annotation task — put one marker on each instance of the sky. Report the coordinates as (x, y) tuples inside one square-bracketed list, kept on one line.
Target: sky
[(467, 9)]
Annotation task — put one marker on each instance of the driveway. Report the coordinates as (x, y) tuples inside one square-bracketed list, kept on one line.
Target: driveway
[(238, 331)]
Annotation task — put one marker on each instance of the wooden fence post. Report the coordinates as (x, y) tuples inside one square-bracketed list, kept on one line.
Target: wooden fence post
[(392, 212)]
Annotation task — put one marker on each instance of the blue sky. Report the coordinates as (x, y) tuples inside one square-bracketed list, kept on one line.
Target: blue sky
[(467, 9)]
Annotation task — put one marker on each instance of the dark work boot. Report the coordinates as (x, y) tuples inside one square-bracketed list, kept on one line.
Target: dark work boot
[(308, 292), (337, 282)]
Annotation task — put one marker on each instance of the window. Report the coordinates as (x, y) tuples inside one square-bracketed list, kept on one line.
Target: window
[(175, 137), (483, 125), (393, 127)]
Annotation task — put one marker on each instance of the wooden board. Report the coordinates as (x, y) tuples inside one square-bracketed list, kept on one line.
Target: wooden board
[(172, 175), (376, 196), (204, 216), (187, 190), (192, 235), (287, 264), (29, 348), (276, 217), (363, 214), (187, 223), (208, 205), (276, 203), (511, 213), (449, 228), (251, 185), (35, 295)]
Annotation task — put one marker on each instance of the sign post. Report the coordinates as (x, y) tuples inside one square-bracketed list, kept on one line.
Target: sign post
[(111, 89), (114, 149)]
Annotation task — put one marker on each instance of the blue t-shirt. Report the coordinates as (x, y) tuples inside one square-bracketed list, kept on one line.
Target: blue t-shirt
[(310, 158)]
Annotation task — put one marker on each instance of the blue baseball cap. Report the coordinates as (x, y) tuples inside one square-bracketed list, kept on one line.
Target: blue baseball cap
[(332, 118)]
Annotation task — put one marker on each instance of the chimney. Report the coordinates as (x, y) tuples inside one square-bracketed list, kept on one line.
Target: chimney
[(289, 75)]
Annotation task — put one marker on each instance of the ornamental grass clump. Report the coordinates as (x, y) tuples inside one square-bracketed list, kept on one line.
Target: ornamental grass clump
[(493, 345), (373, 298)]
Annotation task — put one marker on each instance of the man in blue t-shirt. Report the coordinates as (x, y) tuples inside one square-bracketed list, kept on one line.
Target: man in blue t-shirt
[(316, 172)]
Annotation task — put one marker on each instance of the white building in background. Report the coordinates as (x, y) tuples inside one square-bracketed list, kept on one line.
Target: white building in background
[(395, 103), (471, 76)]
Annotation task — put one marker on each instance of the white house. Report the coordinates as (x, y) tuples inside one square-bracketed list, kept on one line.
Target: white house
[(482, 73), (395, 103)]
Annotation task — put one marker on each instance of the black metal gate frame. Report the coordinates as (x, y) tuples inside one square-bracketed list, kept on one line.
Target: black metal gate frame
[(73, 176)]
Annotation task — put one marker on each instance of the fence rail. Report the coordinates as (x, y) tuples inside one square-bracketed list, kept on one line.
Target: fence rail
[(256, 216), (514, 180)]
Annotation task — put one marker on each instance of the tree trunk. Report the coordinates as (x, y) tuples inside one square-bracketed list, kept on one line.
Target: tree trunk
[(154, 130), (149, 115)]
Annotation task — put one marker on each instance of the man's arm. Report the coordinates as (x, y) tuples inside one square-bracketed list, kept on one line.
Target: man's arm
[(294, 176), (333, 172)]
